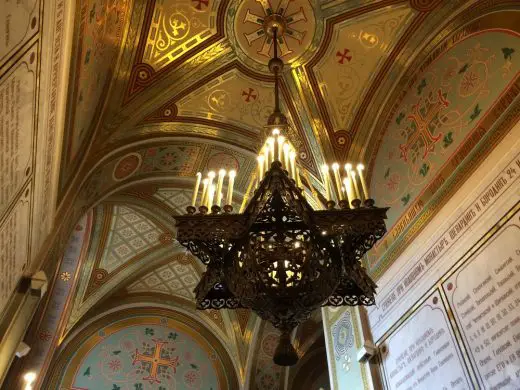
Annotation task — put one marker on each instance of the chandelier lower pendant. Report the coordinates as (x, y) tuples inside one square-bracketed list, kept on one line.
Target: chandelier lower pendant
[(280, 257)]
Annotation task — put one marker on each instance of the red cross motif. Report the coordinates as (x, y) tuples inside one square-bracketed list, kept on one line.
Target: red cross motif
[(200, 3), (425, 119), (249, 95), (156, 361), (343, 56)]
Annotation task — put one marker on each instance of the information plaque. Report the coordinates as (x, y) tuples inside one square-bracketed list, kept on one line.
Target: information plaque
[(484, 294), (422, 352)]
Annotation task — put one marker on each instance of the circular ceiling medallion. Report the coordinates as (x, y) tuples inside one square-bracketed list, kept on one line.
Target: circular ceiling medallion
[(296, 21), (127, 166)]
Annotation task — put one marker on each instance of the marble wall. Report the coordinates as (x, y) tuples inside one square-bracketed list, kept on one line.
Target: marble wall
[(32, 75)]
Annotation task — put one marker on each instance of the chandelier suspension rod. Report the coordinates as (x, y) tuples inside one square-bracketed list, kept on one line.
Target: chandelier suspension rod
[(276, 93)]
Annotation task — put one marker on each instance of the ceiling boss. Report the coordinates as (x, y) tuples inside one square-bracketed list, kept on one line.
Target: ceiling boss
[(299, 26), (280, 257)]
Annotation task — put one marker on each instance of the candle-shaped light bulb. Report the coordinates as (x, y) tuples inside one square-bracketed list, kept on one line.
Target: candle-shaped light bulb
[(348, 190), (211, 195), (231, 183), (220, 182), (326, 181), (205, 183), (211, 176), (261, 163), (266, 157), (281, 140), (337, 178), (196, 189), (354, 182), (286, 151), (292, 163), (271, 142), (360, 169)]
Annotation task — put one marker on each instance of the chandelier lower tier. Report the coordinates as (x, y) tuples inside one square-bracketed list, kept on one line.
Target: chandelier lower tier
[(280, 257)]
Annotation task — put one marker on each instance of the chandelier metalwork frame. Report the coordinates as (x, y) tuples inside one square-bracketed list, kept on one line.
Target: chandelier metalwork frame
[(280, 257)]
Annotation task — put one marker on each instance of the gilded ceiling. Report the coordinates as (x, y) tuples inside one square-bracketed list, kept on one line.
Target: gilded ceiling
[(163, 89)]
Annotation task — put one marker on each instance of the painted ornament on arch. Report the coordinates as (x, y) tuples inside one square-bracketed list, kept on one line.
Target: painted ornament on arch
[(175, 28), (127, 166), (145, 356), (222, 161), (440, 113)]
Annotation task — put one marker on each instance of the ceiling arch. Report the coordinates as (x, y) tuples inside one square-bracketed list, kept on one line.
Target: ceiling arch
[(187, 346)]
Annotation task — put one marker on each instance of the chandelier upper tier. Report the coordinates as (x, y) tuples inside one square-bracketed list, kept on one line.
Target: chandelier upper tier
[(279, 256)]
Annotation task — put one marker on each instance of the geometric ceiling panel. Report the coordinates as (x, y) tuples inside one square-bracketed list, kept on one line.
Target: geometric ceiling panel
[(241, 102), (356, 51), (130, 234), (177, 26), (174, 31), (231, 98), (173, 278), (175, 198)]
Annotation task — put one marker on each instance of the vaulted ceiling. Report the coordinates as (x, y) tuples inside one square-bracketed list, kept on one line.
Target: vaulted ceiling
[(162, 89)]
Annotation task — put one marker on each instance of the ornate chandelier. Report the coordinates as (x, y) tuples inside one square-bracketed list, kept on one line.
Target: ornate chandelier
[(280, 257)]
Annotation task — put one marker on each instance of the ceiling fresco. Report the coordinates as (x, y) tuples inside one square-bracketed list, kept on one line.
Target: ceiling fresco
[(255, 45), (441, 110), (172, 31), (355, 52), (130, 233), (178, 277), (100, 30), (175, 27), (146, 351), (163, 89), (453, 104)]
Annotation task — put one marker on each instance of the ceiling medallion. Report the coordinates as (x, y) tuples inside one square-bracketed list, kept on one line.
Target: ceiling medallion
[(296, 24), (279, 256)]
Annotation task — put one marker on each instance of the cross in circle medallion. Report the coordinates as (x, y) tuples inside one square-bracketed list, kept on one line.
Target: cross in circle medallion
[(343, 56), (156, 361), (249, 95)]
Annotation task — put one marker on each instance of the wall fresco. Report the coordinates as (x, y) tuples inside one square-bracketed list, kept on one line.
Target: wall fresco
[(442, 111), (144, 352)]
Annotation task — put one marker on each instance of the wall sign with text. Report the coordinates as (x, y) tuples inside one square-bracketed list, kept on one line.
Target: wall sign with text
[(465, 332)]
